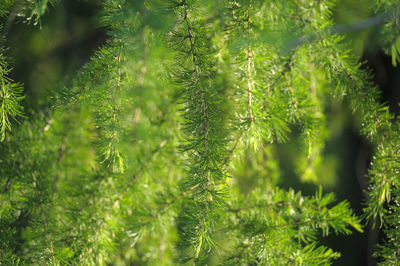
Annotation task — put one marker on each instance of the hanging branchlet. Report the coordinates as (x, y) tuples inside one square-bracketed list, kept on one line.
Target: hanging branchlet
[(305, 91), (205, 140), (260, 109), (102, 82), (309, 92), (11, 94)]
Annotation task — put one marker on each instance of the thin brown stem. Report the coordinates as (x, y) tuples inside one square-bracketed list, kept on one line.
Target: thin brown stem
[(250, 82)]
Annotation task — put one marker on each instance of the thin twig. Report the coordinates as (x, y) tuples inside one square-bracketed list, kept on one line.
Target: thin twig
[(11, 17), (374, 21)]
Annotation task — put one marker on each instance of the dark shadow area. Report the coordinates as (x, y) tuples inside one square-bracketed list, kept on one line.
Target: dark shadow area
[(45, 56)]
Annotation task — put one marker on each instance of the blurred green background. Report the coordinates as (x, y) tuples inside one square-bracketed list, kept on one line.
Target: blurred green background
[(46, 56)]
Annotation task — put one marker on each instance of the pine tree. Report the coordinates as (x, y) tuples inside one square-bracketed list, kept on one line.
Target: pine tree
[(146, 155)]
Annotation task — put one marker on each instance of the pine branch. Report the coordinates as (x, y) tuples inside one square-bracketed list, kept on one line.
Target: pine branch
[(204, 117), (203, 109), (261, 117), (240, 80), (205, 137)]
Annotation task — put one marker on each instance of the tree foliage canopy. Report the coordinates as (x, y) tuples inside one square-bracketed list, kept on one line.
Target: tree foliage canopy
[(146, 154)]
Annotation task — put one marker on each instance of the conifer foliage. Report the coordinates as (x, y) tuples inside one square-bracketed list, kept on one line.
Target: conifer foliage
[(146, 156)]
